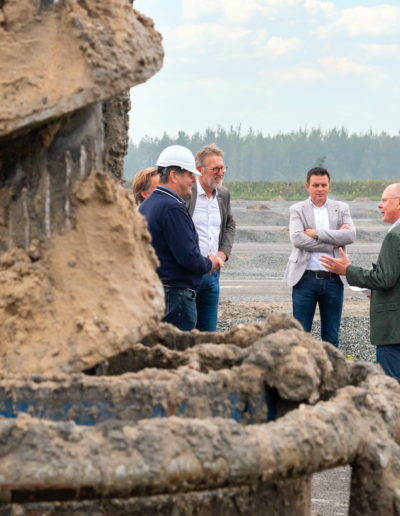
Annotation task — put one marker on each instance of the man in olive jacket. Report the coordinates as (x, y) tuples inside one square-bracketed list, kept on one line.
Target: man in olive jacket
[(209, 206), (384, 282)]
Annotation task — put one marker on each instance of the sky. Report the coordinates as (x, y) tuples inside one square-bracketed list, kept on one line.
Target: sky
[(272, 65)]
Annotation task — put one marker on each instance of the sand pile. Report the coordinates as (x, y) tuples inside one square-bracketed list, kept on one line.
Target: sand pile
[(90, 295), (258, 207), (279, 198), (362, 199)]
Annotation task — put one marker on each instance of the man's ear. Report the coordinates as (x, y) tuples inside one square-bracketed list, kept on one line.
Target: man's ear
[(198, 169)]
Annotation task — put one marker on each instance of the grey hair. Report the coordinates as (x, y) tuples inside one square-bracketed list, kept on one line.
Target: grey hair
[(208, 150)]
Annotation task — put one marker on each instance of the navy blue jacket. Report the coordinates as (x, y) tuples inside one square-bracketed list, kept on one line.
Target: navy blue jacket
[(174, 239)]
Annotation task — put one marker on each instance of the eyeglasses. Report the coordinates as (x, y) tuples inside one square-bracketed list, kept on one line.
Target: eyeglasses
[(217, 170), (385, 200)]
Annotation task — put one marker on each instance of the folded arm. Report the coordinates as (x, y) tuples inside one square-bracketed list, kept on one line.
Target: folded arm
[(302, 241), (339, 237)]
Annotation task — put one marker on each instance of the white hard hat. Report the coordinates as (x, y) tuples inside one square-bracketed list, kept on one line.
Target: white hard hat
[(179, 156)]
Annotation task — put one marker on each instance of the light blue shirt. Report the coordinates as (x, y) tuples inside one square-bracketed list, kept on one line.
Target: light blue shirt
[(321, 216), (207, 221)]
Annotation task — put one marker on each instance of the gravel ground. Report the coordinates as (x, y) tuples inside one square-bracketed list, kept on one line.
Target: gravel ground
[(273, 265)]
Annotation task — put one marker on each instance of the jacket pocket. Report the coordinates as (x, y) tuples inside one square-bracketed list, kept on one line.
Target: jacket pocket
[(294, 256), (386, 307)]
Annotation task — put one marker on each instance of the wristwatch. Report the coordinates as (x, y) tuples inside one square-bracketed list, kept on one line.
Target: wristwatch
[(316, 234)]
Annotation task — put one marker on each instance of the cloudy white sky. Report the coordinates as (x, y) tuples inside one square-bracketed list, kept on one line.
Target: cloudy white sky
[(273, 65)]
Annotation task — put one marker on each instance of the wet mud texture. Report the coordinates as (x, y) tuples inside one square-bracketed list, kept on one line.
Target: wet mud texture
[(359, 426), (207, 380), (116, 138), (88, 294), (66, 55), (262, 499)]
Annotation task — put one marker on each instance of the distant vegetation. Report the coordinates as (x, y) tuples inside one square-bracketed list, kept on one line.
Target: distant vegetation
[(284, 156), (296, 190)]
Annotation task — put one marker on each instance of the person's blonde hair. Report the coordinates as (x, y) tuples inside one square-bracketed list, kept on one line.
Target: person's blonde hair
[(142, 182), (208, 150)]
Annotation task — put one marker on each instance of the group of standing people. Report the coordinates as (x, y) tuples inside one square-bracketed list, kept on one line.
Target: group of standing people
[(190, 219)]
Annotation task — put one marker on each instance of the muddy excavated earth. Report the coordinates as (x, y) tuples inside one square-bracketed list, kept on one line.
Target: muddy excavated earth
[(71, 304)]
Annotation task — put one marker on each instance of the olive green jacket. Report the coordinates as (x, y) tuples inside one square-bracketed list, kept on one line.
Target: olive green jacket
[(384, 282)]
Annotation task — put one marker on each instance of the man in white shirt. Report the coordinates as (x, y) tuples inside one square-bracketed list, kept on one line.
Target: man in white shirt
[(210, 207), (318, 226)]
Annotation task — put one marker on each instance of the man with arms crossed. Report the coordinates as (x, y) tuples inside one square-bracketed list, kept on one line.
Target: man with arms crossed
[(174, 237), (318, 225), (384, 282), (210, 207)]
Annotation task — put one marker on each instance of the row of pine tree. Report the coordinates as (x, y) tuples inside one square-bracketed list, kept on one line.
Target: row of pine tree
[(252, 156)]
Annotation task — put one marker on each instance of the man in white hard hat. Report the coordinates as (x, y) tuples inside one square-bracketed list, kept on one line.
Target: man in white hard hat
[(175, 238), (210, 207)]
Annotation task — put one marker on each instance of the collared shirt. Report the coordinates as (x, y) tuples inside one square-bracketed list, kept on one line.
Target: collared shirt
[(174, 239), (207, 221), (321, 216), (397, 223)]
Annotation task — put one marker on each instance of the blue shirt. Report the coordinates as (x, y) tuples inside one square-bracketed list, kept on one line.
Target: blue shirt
[(174, 239)]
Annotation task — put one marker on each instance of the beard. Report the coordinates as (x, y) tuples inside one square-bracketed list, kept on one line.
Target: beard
[(212, 183)]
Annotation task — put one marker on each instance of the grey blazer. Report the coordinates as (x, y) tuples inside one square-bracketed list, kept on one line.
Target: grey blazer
[(302, 218), (228, 224)]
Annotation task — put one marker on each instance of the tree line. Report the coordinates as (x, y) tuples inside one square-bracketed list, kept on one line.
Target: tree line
[(283, 156)]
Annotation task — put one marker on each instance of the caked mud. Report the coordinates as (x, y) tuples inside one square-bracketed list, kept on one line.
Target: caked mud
[(88, 294)]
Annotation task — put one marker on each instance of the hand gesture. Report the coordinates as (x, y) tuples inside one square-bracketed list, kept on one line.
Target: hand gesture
[(336, 265)]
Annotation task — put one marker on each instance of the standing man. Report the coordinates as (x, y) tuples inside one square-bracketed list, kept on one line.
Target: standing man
[(174, 237), (210, 207), (318, 225), (384, 281)]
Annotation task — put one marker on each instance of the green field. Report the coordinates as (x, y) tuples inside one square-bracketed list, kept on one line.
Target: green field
[(296, 190)]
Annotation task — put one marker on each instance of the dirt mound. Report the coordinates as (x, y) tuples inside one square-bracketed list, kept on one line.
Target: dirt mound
[(362, 199), (278, 199), (66, 55), (89, 295), (258, 206)]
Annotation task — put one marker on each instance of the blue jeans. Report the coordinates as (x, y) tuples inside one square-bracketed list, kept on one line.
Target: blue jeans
[(328, 293), (207, 299), (389, 358), (180, 308)]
